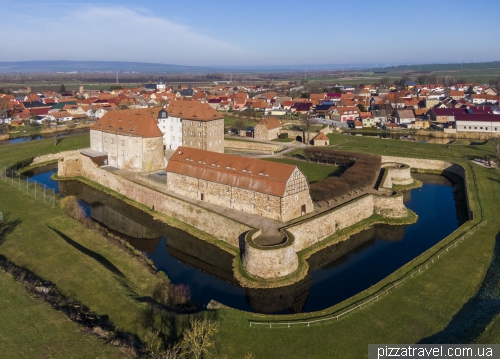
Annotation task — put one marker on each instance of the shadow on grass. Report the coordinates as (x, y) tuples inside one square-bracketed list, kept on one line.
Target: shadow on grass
[(171, 325), (7, 227), (96, 256), (471, 321)]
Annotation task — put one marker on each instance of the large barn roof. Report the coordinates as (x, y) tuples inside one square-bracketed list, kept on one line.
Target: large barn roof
[(242, 172)]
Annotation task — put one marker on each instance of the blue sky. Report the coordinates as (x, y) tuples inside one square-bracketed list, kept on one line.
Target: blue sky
[(238, 33)]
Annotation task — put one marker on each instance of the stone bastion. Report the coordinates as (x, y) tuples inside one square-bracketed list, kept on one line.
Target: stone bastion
[(261, 263)]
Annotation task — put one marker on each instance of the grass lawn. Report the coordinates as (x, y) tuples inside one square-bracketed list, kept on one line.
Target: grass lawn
[(231, 121), (31, 329), (312, 171), (10, 154), (82, 263)]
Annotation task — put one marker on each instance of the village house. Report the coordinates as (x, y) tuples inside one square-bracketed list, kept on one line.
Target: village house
[(273, 190), (405, 116), (267, 129), (131, 141), (477, 123), (320, 140), (457, 95), (344, 114), (481, 99), (380, 115), (445, 115)]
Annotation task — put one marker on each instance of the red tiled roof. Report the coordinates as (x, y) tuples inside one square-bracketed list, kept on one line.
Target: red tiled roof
[(129, 124), (242, 172), (270, 123), (193, 110), (321, 136)]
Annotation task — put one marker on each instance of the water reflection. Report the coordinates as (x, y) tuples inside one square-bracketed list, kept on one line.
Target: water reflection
[(336, 273)]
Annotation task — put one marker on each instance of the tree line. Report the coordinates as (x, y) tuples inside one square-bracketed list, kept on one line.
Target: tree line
[(362, 171)]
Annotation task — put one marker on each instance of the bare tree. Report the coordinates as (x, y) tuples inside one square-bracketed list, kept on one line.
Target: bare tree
[(198, 341), (496, 140), (307, 120)]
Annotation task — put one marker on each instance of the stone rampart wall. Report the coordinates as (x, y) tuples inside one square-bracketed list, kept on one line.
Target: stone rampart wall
[(433, 165), (210, 222), (269, 262), (395, 173), (53, 156), (312, 231), (252, 146)]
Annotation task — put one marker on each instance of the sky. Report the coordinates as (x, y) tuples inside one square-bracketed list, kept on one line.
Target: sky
[(255, 33)]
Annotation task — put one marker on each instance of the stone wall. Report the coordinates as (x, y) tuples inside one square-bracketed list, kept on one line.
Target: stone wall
[(433, 165), (210, 222), (266, 262), (322, 226), (294, 134), (252, 146), (395, 173), (53, 156)]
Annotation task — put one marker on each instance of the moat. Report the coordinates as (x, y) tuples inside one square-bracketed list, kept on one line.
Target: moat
[(368, 256)]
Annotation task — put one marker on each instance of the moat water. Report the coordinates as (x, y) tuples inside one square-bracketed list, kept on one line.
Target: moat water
[(336, 273)]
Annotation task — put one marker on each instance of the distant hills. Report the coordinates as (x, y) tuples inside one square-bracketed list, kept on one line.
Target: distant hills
[(146, 67), (97, 66)]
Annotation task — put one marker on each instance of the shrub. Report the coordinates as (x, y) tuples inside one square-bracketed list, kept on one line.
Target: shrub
[(72, 208), (362, 171), (179, 294)]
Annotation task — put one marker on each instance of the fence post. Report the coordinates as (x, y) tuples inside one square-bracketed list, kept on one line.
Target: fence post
[(44, 190)]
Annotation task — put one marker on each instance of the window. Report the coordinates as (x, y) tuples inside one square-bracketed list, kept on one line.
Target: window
[(173, 138), (199, 134), (253, 206), (171, 128), (95, 136), (296, 198), (123, 152), (123, 142), (105, 139), (268, 209), (112, 140)]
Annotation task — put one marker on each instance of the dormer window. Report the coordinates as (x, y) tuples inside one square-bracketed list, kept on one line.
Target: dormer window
[(263, 174), (230, 168), (203, 163), (247, 171)]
